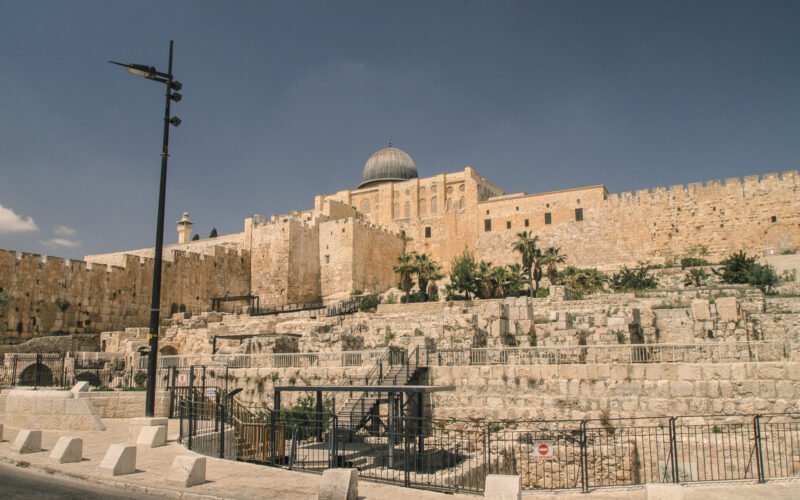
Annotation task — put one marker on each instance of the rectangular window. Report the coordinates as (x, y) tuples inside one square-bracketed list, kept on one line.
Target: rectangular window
[(774, 218), (508, 225), (327, 259), (526, 223), (548, 218), (487, 225), (428, 232), (578, 214)]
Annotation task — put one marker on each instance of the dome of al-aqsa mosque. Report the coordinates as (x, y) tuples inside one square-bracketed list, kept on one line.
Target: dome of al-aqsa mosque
[(389, 164)]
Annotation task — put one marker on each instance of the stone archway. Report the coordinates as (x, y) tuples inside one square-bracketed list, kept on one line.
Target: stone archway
[(88, 376), (29, 375), (168, 350)]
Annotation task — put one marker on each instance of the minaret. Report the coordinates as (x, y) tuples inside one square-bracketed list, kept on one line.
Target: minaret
[(184, 229)]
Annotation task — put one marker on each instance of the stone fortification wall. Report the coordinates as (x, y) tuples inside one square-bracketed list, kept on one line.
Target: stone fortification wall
[(375, 253), (760, 216), (235, 242), (54, 295), (553, 392)]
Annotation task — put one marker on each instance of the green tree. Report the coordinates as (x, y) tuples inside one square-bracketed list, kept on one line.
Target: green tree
[(427, 271), (695, 277), (550, 258), (463, 274), (195, 237), (764, 277), (582, 281), (500, 281), (484, 281), (405, 270), (516, 281), (525, 245), (638, 278), (736, 268), (213, 233)]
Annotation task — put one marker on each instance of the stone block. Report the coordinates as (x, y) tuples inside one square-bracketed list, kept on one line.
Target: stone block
[(136, 424), (27, 441), (152, 436), (80, 387), (664, 491), (502, 487), (701, 310), (120, 459), (727, 309), (188, 470), (67, 450), (339, 484)]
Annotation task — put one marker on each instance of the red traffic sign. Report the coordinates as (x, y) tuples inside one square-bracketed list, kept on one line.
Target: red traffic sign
[(543, 450)]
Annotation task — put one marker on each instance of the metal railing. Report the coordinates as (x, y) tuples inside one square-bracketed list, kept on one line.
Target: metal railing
[(453, 455), (615, 353), (287, 360)]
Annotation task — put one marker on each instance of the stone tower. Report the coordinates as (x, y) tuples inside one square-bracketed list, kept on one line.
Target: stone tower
[(184, 229)]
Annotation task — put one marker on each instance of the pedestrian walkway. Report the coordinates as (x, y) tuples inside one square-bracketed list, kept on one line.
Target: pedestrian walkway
[(238, 480)]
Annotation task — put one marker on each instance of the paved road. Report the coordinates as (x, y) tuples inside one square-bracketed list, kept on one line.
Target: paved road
[(17, 482)]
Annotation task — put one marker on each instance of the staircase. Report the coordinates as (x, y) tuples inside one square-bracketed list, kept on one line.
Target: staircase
[(394, 368)]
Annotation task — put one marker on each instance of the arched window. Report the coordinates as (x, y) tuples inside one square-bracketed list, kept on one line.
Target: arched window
[(423, 207), (407, 210), (434, 205), (461, 188), (364, 206), (433, 188), (396, 210), (461, 203), (422, 191)]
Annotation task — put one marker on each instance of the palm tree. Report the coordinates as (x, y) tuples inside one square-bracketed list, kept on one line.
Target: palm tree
[(484, 280), (551, 258), (525, 244), (427, 271), (516, 280), (405, 268), (537, 269), (500, 281)]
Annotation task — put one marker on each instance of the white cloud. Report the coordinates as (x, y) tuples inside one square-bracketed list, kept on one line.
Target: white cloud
[(10, 222), (61, 242), (65, 231)]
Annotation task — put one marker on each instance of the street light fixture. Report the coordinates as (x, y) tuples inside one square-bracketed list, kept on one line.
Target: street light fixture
[(173, 86)]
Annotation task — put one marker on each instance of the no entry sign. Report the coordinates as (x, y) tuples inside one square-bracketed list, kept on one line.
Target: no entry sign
[(542, 450), (183, 378)]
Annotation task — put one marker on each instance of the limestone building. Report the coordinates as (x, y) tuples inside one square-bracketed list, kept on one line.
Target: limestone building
[(351, 239)]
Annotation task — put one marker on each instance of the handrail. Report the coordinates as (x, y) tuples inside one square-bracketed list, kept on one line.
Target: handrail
[(274, 360), (627, 353)]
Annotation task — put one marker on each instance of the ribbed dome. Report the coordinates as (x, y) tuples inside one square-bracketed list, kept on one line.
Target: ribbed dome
[(388, 165)]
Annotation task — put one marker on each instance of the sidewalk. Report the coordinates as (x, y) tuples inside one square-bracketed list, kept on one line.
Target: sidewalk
[(238, 480)]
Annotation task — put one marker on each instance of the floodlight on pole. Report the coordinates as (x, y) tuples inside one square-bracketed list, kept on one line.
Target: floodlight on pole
[(150, 73)]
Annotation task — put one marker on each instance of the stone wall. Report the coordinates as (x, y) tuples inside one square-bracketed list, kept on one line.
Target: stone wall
[(56, 295), (575, 391), (124, 404), (50, 410)]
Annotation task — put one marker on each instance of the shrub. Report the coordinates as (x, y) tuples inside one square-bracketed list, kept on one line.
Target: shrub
[(139, 378), (542, 293), (391, 298), (413, 298), (693, 262), (369, 303), (696, 277), (789, 251), (582, 281), (740, 268), (638, 278)]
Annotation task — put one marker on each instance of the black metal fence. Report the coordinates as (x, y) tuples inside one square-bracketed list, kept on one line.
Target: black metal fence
[(452, 455)]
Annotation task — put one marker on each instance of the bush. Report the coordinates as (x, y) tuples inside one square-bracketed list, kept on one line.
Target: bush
[(369, 303), (695, 277), (391, 298), (639, 278), (693, 262), (139, 378), (582, 281), (413, 298), (542, 293), (740, 268)]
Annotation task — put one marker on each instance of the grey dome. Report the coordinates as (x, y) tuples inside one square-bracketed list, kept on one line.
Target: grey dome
[(388, 165)]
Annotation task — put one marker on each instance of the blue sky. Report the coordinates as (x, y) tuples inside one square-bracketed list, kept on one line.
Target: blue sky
[(283, 100)]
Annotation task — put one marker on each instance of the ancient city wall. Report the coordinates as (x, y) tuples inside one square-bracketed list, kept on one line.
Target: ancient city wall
[(760, 216), (375, 253), (56, 295), (576, 391)]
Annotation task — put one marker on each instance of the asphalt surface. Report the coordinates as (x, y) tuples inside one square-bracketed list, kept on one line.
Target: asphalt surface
[(19, 482)]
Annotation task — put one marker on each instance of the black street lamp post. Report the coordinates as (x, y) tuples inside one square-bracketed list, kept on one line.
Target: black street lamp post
[(172, 86)]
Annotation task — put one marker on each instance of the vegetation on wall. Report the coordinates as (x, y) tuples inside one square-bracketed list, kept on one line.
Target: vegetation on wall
[(582, 282), (740, 268), (638, 278)]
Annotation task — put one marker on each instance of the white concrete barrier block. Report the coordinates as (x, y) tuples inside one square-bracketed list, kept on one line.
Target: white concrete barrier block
[(339, 484), (188, 470), (152, 436), (136, 424), (80, 387), (120, 459), (663, 491), (28, 441), (68, 450), (502, 487)]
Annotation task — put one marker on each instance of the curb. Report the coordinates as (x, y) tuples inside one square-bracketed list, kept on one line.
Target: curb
[(148, 490)]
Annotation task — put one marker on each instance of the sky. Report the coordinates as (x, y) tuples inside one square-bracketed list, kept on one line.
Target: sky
[(285, 100)]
